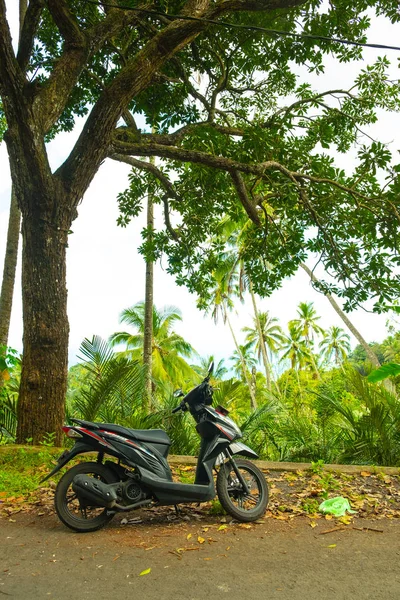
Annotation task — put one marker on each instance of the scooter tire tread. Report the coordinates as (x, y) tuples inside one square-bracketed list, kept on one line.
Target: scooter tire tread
[(222, 490), (74, 523)]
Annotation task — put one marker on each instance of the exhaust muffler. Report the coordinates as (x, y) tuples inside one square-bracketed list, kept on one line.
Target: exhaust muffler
[(94, 492)]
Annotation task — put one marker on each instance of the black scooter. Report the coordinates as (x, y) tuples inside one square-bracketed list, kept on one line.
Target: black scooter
[(91, 493)]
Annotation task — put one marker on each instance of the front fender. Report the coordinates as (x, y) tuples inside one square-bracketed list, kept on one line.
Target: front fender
[(237, 448), (66, 456)]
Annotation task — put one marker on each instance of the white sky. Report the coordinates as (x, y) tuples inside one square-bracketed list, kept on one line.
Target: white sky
[(105, 274)]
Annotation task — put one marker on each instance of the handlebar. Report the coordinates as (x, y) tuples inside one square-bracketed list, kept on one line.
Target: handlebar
[(181, 406), (189, 398)]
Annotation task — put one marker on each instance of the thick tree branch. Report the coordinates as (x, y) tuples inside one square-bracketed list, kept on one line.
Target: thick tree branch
[(170, 190), (126, 115), (95, 139), (226, 164), (172, 139), (66, 22), (12, 80), (244, 198), (29, 29), (151, 168), (254, 5), (235, 168), (51, 100)]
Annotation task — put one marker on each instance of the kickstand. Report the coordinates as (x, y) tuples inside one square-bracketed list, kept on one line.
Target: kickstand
[(177, 510)]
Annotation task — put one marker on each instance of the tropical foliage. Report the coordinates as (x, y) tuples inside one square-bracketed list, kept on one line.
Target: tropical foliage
[(341, 416), (169, 349)]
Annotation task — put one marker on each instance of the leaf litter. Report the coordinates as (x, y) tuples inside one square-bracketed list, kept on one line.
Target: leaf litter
[(373, 494)]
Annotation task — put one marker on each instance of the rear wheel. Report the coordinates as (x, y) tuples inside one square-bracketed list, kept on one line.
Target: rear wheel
[(72, 512), (242, 506)]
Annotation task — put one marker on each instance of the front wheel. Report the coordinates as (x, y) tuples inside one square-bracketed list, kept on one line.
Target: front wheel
[(242, 506), (76, 514)]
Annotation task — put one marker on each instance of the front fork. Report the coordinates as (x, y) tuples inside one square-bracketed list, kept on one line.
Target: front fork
[(238, 474)]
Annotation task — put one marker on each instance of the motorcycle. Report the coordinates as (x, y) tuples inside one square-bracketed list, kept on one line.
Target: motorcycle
[(90, 493)]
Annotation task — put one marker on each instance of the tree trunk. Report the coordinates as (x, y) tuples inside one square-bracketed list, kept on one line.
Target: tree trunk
[(266, 361), (370, 353), (10, 266), (148, 310), (11, 254), (41, 405), (261, 339), (313, 363), (253, 400)]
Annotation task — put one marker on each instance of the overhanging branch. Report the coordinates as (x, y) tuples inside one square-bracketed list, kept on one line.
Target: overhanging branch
[(151, 168), (226, 164), (170, 190)]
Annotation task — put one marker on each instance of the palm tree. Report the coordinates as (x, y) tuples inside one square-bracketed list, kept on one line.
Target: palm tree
[(308, 327), (335, 344), (239, 280), (221, 301), (149, 300), (369, 433), (295, 348), (111, 386), (244, 359), (370, 353), (169, 349), (265, 334), (391, 348), (219, 371)]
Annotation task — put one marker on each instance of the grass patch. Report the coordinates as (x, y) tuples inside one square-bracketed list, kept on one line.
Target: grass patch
[(22, 469)]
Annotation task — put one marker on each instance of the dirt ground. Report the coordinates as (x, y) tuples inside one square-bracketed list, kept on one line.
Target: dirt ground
[(291, 554), (197, 560)]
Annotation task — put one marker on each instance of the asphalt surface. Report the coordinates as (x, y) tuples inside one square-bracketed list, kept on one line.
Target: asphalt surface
[(197, 560)]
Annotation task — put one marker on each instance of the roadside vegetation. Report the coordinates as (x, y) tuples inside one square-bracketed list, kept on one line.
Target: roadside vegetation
[(300, 395)]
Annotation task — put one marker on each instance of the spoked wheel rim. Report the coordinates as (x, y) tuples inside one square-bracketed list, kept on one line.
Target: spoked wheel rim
[(243, 505), (238, 496)]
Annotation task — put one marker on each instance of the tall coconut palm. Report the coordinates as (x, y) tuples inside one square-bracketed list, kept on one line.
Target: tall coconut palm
[(295, 348), (221, 301), (219, 370), (169, 349), (240, 281), (149, 301), (249, 360), (266, 334), (308, 327), (335, 344), (370, 353)]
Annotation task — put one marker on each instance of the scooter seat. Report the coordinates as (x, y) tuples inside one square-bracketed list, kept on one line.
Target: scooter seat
[(155, 436)]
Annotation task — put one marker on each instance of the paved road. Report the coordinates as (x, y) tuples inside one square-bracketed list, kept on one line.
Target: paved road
[(40, 559)]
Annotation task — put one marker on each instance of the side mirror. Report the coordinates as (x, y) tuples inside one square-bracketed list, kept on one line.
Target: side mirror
[(178, 393)]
